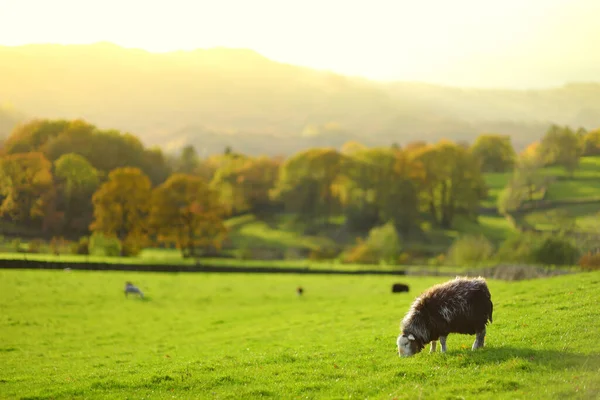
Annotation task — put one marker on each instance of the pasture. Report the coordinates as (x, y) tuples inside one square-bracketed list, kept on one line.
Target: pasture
[(75, 335)]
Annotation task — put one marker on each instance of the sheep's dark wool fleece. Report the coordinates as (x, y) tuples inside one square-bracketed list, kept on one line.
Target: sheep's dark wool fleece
[(462, 305)]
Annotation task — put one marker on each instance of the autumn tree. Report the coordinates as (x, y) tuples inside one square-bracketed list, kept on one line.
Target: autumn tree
[(33, 135), (77, 180), (244, 183), (451, 183), (27, 187), (184, 210), (494, 152), (104, 149), (121, 206), (561, 146)]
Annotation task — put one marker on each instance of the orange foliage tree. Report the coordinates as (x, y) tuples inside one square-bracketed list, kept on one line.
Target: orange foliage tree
[(186, 211), (27, 187), (121, 207)]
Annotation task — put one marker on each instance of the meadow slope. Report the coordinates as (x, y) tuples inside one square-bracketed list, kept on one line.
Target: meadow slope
[(75, 335)]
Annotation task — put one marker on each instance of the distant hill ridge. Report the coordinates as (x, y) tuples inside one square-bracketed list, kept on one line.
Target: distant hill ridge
[(218, 97)]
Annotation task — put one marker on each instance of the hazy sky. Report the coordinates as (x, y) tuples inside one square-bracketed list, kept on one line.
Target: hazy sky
[(513, 43)]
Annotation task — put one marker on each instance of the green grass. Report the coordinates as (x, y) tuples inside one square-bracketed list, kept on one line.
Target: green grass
[(574, 189), (74, 335), (173, 257), (495, 228), (589, 167), (495, 182), (248, 231)]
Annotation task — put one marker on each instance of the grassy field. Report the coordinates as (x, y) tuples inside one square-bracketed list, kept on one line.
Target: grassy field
[(74, 335)]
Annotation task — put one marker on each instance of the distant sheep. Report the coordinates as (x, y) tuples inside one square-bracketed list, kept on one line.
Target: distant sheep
[(399, 288), (461, 305), (131, 288)]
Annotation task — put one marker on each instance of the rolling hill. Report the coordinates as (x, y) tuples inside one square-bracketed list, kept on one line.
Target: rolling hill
[(219, 97), (9, 118)]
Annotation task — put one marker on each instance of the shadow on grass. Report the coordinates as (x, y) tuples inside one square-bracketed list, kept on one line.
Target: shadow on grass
[(137, 298), (554, 359)]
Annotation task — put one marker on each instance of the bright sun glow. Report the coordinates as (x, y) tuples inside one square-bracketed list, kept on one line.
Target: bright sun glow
[(430, 40)]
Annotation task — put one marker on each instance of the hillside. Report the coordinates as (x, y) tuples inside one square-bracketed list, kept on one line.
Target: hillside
[(9, 118), (218, 97)]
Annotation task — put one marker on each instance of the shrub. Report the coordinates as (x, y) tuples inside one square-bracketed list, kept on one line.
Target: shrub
[(520, 248), (101, 245), (323, 253), (556, 250), (57, 244), (361, 254), (437, 261), (590, 261), (382, 245), (16, 244), (470, 250), (35, 246), (131, 247), (385, 242), (82, 246)]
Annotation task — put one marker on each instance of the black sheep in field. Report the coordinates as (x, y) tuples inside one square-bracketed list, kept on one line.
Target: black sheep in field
[(399, 288), (461, 305)]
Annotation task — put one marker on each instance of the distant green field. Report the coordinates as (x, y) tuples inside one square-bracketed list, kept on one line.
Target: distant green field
[(495, 182), (248, 231), (495, 228), (75, 336), (585, 182), (586, 216), (589, 167)]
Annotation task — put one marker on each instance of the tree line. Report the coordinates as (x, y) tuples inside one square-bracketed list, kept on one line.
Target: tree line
[(70, 178)]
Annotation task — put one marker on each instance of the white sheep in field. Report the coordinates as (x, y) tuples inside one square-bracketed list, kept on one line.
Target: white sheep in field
[(131, 288)]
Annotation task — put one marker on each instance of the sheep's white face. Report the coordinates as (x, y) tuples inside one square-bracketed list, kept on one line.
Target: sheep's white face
[(407, 346)]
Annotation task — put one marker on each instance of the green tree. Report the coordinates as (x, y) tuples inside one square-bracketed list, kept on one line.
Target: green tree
[(188, 161), (451, 182), (77, 182), (561, 146), (494, 152), (306, 183), (591, 143), (528, 177)]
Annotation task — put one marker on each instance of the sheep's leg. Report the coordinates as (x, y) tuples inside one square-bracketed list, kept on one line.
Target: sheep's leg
[(443, 343), (433, 343), (479, 339)]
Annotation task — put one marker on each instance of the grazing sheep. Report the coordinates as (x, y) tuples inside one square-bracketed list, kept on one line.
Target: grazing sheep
[(399, 287), (299, 290), (461, 305), (130, 288)]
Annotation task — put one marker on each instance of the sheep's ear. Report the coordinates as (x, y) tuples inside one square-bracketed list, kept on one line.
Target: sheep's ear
[(411, 337)]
